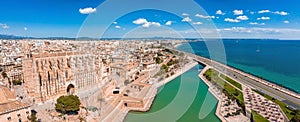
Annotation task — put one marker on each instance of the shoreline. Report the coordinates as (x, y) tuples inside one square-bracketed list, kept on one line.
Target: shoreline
[(178, 44), (212, 92), (262, 81), (177, 74), (151, 95)]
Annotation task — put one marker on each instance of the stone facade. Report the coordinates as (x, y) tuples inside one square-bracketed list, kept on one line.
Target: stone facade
[(50, 75)]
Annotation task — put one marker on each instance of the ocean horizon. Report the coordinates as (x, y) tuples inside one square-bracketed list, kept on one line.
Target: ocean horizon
[(274, 60)]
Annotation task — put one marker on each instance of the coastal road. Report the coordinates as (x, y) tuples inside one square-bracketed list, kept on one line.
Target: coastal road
[(289, 97), (295, 102), (246, 80)]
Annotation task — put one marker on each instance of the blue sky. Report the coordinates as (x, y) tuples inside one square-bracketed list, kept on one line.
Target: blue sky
[(232, 18)]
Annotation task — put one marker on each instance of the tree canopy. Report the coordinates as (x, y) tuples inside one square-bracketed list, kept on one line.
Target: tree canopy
[(67, 104)]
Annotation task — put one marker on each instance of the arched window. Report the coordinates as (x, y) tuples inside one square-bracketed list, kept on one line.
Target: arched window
[(40, 79)]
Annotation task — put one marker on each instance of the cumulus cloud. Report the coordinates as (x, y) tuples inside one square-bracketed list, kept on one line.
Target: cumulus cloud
[(168, 23), (264, 18), (148, 24), (255, 23), (264, 11), (185, 14), (283, 13), (4, 26), (238, 12), (197, 23), (252, 12), (205, 17), (145, 23), (231, 20), (88, 10), (220, 12), (140, 21), (286, 22), (244, 17), (186, 19), (117, 26), (259, 30)]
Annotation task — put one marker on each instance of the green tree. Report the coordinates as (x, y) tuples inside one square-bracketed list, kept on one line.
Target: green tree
[(67, 104), (4, 75), (33, 117), (296, 118), (164, 67), (17, 82)]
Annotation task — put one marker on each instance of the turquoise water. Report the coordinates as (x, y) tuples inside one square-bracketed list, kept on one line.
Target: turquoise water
[(275, 60), (185, 99)]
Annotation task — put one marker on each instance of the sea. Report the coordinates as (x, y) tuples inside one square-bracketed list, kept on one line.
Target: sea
[(277, 61), (187, 98)]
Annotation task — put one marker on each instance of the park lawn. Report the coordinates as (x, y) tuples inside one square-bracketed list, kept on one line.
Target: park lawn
[(282, 105), (233, 91), (258, 118), (213, 74), (236, 84)]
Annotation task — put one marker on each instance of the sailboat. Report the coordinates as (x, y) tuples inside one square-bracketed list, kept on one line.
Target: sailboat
[(257, 50)]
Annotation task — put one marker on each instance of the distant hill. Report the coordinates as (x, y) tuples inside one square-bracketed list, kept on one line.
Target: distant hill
[(2, 36)]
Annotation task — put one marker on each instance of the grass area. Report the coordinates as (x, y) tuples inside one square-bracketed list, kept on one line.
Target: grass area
[(258, 118), (288, 112), (236, 84), (231, 92), (212, 75)]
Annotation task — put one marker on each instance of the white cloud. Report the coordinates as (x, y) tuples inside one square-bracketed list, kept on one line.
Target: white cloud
[(186, 19), (281, 13), (140, 21), (205, 17), (115, 22), (231, 20), (252, 12), (4, 26), (286, 22), (185, 14), (244, 17), (264, 18), (238, 12), (148, 24), (260, 30), (145, 23), (264, 11), (168, 23), (88, 10), (255, 23), (117, 26), (155, 24), (220, 12), (197, 23)]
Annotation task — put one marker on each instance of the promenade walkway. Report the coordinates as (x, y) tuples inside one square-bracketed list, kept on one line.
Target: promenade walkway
[(251, 81)]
